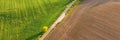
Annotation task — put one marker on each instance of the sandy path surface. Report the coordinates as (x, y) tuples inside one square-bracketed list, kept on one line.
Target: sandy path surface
[(90, 20)]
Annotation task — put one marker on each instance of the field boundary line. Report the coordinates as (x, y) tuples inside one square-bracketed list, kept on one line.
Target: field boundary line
[(59, 19)]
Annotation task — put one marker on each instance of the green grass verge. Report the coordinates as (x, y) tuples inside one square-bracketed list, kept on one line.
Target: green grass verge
[(73, 6), (24, 19)]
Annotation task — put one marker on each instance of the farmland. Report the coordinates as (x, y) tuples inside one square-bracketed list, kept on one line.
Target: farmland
[(24, 19), (90, 20)]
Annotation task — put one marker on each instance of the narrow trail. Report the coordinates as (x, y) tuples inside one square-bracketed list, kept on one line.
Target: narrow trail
[(90, 21)]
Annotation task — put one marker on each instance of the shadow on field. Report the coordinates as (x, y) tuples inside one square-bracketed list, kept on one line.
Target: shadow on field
[(35, 36)]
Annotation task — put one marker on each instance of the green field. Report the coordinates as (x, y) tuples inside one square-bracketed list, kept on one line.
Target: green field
[(24, 19)]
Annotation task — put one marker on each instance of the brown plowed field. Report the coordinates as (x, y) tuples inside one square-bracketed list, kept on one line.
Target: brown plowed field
[(91, 20)]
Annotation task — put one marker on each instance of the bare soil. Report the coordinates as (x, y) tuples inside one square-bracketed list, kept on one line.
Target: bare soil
[(91, 20)]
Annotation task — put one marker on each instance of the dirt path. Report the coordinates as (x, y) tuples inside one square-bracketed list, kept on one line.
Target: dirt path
[(91, 20)]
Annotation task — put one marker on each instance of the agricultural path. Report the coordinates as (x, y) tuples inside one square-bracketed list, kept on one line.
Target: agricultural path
[(90, 20)]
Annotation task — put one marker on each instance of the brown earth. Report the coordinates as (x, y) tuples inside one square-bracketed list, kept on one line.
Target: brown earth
[(91, 20)]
